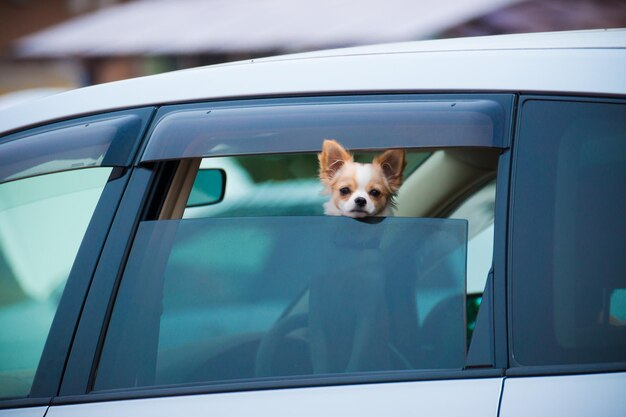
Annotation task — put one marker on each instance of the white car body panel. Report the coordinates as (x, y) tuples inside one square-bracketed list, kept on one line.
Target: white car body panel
[(571, 395), (24, 412), (576, 63), (474, 397)]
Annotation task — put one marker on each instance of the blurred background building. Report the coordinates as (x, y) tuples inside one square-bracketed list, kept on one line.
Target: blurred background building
[(52, 45)]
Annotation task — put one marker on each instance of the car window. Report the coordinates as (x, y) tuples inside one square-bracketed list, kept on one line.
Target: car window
[(263, 284), (242, 298), (52, 179), (251, 266), (42, 223), (569, 234)]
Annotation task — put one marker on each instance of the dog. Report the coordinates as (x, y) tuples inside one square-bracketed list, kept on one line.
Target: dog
[(359, 190)]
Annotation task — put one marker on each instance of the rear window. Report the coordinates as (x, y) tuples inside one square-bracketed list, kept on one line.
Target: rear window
[(569, 234)]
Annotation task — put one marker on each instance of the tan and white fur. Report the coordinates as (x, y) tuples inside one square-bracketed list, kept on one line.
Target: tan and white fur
[(359, 190)]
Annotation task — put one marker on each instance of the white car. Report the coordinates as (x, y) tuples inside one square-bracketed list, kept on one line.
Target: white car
[(164, 249)]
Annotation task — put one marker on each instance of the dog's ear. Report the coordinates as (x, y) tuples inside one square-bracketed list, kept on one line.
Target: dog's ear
[(332, 158), (392, 163)]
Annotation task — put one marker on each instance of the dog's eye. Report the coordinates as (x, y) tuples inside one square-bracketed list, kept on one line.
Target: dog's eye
[(374, 192), (344, 191)]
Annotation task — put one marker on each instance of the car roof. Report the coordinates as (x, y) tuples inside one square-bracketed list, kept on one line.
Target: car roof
[(579, 62)]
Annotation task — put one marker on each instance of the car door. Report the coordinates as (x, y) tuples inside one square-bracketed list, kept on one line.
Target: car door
[(567, 274), (59, 187), (222, 287)]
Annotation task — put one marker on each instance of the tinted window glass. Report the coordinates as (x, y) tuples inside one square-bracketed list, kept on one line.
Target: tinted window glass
[(569, 234), (42, 223), (217, 299)]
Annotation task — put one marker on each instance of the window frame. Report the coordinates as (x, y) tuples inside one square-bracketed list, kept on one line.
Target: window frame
[(123, 150), (515, 369), (142, 200)]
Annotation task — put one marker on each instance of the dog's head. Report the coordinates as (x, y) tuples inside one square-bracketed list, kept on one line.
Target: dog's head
[(359, 190)]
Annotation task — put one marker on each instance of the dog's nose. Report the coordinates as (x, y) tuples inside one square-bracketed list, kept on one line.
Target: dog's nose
[(360, 201)]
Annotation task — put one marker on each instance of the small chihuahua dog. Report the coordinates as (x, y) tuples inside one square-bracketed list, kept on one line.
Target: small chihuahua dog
[(359, 190)]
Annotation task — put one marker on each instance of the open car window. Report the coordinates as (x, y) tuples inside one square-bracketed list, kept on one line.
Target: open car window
[(258, 283), (244, 270), (269, 185)]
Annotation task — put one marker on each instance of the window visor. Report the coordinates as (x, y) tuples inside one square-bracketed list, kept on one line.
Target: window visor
[(107, 140), (222, 130)]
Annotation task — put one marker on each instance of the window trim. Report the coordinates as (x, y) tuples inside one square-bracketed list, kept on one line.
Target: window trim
[(101, 293), (500, 257), (13, 403), (278, 383), (557, 370)]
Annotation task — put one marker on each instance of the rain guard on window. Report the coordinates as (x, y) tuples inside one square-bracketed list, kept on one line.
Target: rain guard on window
[(229, 299), (105, 140), (221, 130)]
